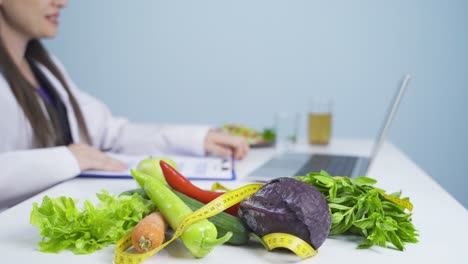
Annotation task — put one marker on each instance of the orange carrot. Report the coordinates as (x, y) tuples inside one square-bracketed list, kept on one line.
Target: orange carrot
[(149, 232)]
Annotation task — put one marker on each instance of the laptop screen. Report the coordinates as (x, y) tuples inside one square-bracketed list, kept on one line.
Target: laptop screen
[(389, 118)]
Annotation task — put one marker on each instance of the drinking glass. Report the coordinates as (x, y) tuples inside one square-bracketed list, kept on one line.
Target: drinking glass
[(286, 127), (320, 121)]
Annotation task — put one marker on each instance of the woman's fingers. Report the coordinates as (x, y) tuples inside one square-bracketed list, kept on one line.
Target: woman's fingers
[(242, 150), (220, 150), (111, 164), (225, 144), (90, 158)]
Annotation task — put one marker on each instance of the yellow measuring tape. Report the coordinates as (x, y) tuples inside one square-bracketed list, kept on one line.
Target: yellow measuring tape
[(230, 198), (218, 186), (293, 243), (406, 204)]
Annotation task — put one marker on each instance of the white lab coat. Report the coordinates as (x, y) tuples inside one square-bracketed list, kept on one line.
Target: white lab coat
[(25, 171)]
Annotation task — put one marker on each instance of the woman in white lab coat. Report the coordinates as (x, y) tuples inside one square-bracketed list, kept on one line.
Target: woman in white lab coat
[(50, 130)]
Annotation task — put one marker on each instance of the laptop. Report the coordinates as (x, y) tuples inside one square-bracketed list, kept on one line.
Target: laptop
[(297, 164)]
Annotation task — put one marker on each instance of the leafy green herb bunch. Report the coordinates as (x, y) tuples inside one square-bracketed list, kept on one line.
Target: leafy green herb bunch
[(357, 207)]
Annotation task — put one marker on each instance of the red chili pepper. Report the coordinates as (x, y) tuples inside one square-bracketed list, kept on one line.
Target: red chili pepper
[(183, 185)]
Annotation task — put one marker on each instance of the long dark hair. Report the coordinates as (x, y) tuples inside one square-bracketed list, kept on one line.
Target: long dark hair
[(46, 126)]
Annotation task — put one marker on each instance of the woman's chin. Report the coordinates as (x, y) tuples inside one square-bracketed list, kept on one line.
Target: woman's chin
[(49, 35), (48, 32)]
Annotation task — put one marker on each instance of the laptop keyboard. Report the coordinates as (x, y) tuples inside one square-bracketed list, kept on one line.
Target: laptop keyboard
[(334, 165)]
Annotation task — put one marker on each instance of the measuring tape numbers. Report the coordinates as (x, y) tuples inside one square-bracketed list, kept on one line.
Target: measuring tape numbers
[(293, 243)]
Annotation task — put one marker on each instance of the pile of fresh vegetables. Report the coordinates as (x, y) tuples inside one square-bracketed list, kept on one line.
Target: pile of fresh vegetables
[(310, 208), (199, 238)]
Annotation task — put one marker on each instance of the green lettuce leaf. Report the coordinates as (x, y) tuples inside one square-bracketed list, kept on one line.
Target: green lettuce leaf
[(64, 226)]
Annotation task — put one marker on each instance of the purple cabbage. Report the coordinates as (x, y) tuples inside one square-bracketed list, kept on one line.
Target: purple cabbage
[(286, 205)]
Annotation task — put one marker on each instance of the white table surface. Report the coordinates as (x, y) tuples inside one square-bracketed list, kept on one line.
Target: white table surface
[(440, 219)]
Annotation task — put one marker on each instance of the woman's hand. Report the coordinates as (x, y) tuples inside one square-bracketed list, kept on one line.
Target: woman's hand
[(226, 145), (90, 158)]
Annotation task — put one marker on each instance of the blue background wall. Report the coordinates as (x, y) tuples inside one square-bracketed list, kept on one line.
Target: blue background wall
[(239, 61)]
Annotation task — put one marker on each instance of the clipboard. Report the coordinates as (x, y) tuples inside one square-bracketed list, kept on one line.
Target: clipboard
[(193, 168)]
